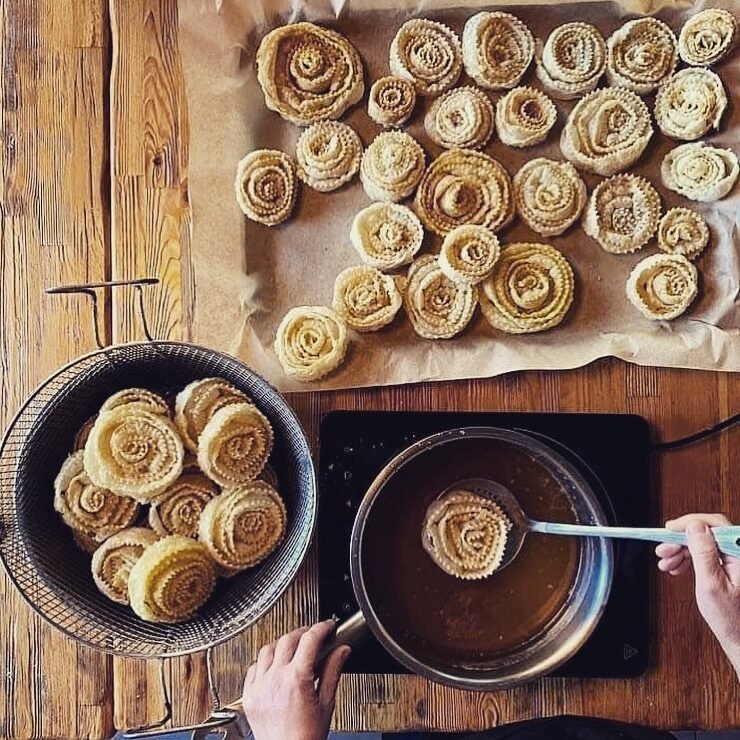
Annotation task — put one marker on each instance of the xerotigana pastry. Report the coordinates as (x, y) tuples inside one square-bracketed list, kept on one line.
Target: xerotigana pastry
[(707, 37), (622, 213), (530, 289), (641, 54), (266, 186), (549, 195), (177, 510), (386, 235), (460, 118), (328, 154), (463, 187), (309, 73), (662, 286), (690, 103), (468, 254), (606, 131), (391, 101), (392, 166), (497, 48), (311, 341), (140, 396), (684, 232), (366, 298), (700, 172), (82, 434), (572, 60), (524, 117), (438, 307), (428, 54)]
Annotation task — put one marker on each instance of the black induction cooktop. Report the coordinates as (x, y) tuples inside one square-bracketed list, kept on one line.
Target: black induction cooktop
[(612, 451)]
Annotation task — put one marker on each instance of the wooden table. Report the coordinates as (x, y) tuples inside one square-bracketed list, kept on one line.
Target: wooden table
[(94, 149)]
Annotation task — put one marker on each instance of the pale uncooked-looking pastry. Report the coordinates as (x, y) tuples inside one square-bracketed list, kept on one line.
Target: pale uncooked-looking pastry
[(311, 342), (572, 60), (391, 101), (141, 396), (462, 117), (497, 48), (438, 307), (171, 580), (235, 444), (700, 172), (707, 37), (386, 235), (177, 510), (530, 289), (392, 166), (524, 117), (266, 186), (622, 213), (662, 286), (684, 232), (549, 195), (465, 534), (112, 561), (309, 73), (641, 54), (689, 103), (462, 187), (607, 131), (328, 154), (366, 298), (428, 54), (468, 254)]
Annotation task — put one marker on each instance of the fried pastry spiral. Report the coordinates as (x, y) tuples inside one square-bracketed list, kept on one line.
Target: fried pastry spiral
[(266, 186), (141, 396), (177, 510), (328, 155), (392, 166), (524, 117), (684, 232), (391, 101), (700, 172), (366, 298), (707, 37), (662, 286), (460, 118), (468, 254)]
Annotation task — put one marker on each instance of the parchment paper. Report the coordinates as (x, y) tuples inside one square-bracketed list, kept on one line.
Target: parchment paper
[(247, 276)]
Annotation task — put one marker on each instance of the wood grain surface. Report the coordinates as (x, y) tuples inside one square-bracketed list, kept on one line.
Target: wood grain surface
[(94, 154)]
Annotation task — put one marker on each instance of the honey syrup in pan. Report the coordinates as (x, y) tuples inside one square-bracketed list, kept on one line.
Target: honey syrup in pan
[(444, 620)]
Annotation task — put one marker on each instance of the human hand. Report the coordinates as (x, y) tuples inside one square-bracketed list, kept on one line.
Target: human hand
[(281, 698)]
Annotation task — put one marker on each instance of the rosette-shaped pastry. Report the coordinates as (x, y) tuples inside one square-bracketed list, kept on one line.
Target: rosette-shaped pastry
[(82, 434), (311, 341), (465, 534), (700, 172), (641, 54), (177, 510), (386, 235), (133, 452), (235, 444), (171, 580), (112, 561), (530, 289), (690, 103), (243, 525), (460, 118), (392, 166), (468, 254), (662, 286), (464, 187), (140, 396), (524, 117), (366, 298), (497, 48), (391, 101), (309, 73), (622, 213), (90, 510), (572, 60), (707, 37), (266, 186), (438, 307), (549, 195), (684, 232), (328, 155), (428, 54), (606, 131)]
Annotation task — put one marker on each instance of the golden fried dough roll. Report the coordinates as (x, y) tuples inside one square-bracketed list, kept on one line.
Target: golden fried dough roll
[(177, 510), (684, 232), (708, 37), (266, 186), (392, 166), (700, 172), (366, 298), (462, 117), (468, 254), (328, 155), (524, 117), (141, 396), (662, 286), (391, 101)]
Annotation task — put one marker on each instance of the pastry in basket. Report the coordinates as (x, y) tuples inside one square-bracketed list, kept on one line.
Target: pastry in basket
[(428, 54), (366, 298), (572, 60), (462, 117), (266, 186), (524, 117), (700, 172), (328, 155), (497, 49), (113, 560), (177, 510), (140, 396), (392, 166), (468, 254), (82, 434), (530, 289), (171, 580), (684, 232), (309, 73), (662, 286), (708, 37), (243, 525), (391, 101)]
